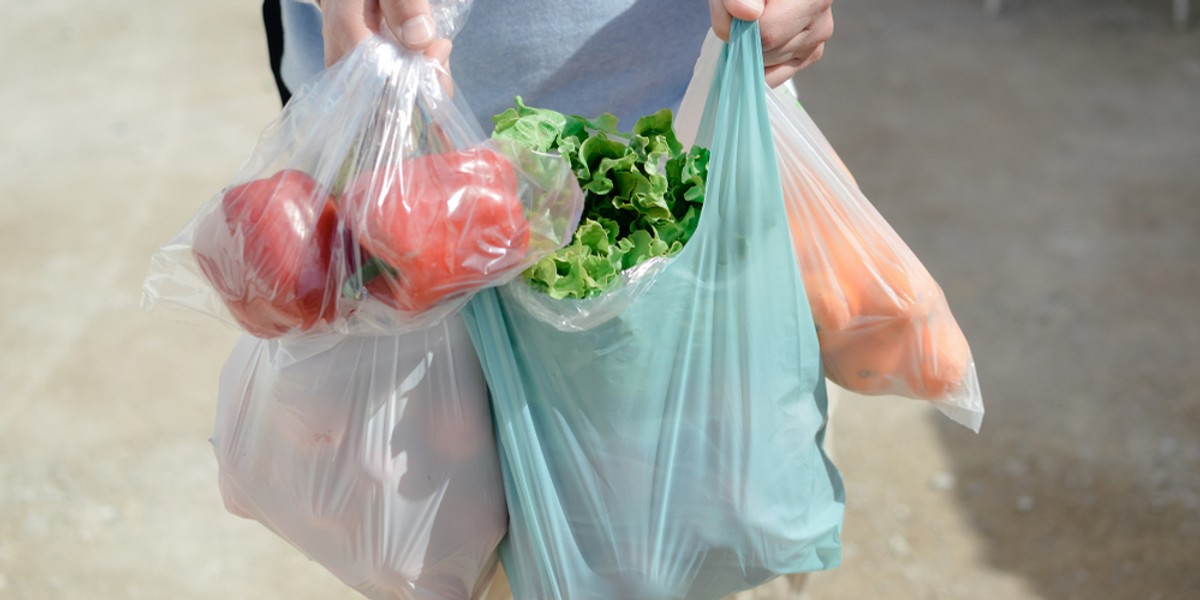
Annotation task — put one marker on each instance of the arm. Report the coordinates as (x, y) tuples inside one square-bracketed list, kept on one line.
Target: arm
[(794, 32)]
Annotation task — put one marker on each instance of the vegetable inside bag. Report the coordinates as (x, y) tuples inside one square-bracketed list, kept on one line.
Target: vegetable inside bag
[(372, 455), (674, 449), (884, 324), (373, 205)]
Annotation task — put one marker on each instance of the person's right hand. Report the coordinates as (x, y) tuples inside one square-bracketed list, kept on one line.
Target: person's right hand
[(345, 23)]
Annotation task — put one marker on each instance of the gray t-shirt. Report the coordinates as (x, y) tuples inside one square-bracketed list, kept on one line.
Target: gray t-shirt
[(627, 57), (586, 57)]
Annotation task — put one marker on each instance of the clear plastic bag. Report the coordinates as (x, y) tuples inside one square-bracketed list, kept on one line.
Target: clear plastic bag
[(374, 204), (884, 324), (372, 455), (569, 314), (673, 450)]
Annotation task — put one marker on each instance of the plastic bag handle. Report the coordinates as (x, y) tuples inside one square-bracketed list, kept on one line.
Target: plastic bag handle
[(449, 16)]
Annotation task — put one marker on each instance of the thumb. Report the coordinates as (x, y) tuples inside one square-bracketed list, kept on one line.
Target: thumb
[(411, 21), (724, 11)]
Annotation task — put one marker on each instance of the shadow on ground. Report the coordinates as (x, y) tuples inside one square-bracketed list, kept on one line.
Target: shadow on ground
[(1045, 168)]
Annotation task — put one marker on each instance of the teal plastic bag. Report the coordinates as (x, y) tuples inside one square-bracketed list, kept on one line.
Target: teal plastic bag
[(674, 449)]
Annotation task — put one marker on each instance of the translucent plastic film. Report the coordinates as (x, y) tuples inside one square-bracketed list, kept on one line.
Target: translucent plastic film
[(884, 324), (372, 455), (373, 205), (674, 450)]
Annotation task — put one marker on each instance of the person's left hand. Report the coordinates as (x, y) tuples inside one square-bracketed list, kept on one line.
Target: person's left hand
[(793, 32)]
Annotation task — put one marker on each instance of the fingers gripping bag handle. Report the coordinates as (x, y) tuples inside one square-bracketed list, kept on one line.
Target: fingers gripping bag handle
[(374, 205), (674, 450)]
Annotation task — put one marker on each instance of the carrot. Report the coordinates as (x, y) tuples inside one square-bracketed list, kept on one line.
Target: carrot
[(830, 308), (945, 357), (882, 320), (868, 360)]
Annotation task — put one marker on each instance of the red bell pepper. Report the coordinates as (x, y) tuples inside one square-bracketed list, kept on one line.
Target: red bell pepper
[(267, 249), (440, 223)]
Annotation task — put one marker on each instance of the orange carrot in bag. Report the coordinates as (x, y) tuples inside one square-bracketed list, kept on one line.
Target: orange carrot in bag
[(945, 357), (882, 321), (868, 360), (838, 256)]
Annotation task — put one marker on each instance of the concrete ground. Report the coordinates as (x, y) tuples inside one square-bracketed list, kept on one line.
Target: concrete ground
[(1045, 166)]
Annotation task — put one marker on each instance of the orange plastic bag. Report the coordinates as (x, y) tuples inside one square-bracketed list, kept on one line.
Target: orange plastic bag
[(883, 322)]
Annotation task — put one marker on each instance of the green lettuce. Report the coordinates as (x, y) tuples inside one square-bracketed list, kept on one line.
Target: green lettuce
[(642, 193)]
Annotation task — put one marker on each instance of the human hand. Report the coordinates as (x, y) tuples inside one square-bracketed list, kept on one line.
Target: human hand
[(793, 32), (345, 23)]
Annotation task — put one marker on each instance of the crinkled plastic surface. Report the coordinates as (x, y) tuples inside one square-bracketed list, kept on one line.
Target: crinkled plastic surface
[(673, 450), (884, 324), (374, 205), (449, 16), (372, 455), (570, 314)]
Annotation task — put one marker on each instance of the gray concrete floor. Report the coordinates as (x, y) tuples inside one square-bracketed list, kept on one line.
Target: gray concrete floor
[(1045, 166)]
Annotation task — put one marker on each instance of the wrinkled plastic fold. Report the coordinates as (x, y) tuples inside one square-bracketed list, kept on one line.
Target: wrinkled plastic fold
[(373, 456), (373, 205), (672, 449)]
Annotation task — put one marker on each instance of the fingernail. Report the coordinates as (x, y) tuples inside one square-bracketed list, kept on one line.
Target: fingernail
[(417, 31), (753, 5)]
